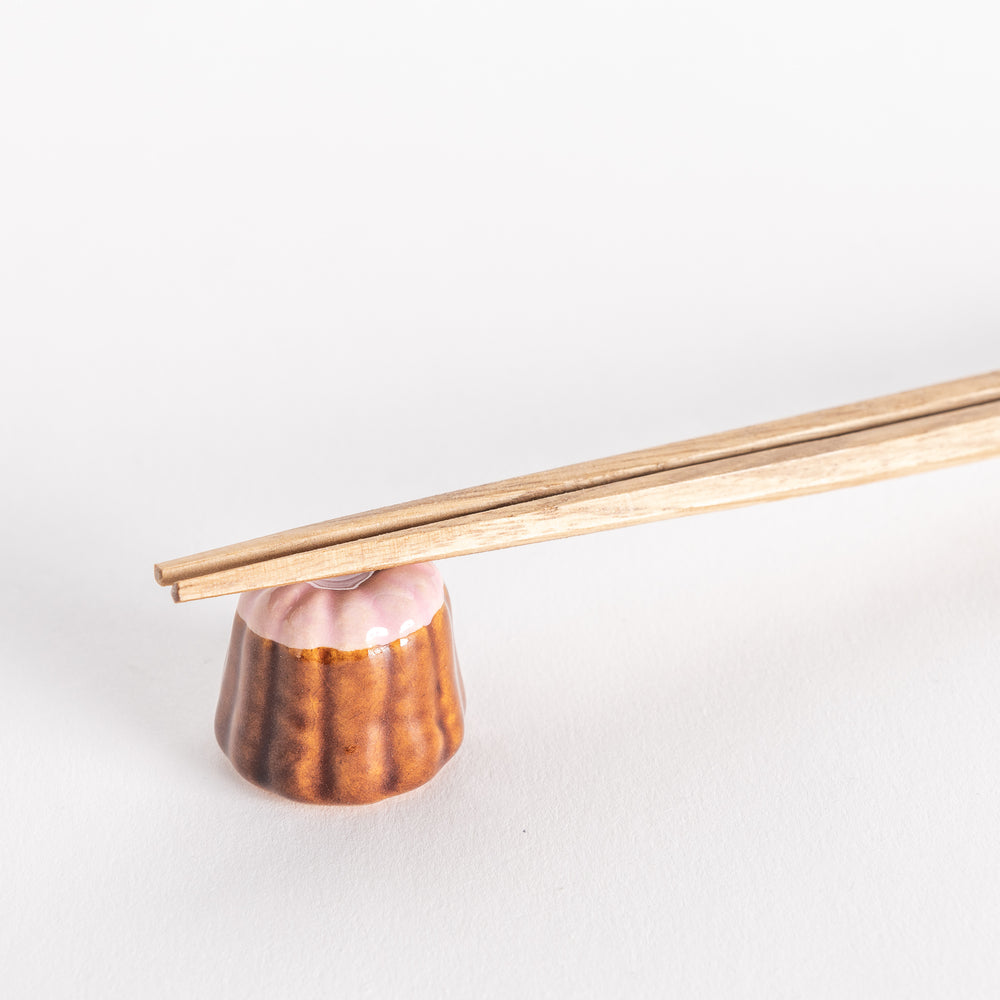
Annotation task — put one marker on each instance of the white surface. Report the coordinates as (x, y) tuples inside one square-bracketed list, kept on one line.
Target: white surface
[(267, 263)]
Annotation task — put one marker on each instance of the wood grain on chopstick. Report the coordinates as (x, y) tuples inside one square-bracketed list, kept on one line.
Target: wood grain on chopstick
[(901, 448), (586, 475)]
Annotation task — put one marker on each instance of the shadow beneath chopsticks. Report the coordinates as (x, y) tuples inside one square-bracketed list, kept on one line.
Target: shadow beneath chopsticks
[(791, 654)]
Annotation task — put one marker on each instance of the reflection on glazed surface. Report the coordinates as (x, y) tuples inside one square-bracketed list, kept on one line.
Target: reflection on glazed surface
[(344, 725), (390, 604)]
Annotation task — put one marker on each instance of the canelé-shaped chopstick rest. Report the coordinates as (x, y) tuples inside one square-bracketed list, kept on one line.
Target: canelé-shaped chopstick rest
[(343, 696)]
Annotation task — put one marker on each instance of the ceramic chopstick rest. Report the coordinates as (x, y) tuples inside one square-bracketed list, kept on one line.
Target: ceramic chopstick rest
[(335, 695)]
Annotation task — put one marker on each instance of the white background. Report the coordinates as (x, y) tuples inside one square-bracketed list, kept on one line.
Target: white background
[(267, 263)]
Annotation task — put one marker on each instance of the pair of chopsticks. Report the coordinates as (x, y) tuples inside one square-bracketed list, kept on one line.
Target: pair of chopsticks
[(897, 435)]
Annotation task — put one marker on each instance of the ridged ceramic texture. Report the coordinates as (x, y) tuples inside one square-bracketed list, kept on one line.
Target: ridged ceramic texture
[(342, 726)]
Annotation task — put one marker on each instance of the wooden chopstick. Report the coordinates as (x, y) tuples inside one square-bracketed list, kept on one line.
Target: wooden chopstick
[(899, 448), (585, 475)]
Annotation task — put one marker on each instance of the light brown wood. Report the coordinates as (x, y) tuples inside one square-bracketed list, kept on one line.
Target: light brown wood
[(901, 448), (587, 475)]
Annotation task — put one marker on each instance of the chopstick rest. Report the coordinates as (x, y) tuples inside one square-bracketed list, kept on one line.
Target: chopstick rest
[(342, 692)]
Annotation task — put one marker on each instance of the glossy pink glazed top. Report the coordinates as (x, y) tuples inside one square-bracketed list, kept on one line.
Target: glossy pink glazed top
[(387, 606)]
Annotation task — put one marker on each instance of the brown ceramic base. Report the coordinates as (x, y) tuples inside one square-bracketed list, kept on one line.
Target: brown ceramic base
[(332, 726)]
